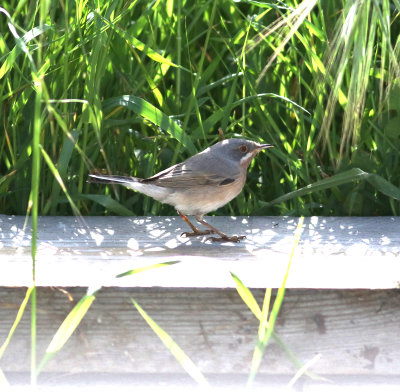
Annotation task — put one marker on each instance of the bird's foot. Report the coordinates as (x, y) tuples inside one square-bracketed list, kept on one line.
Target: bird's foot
[(196, 233), (234, 238)]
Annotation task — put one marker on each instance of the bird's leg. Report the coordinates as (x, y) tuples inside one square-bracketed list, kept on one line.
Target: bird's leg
[(224, 237), (196, 231)]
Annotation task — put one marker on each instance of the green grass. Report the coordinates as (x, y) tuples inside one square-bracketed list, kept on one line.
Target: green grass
[(133, 87)]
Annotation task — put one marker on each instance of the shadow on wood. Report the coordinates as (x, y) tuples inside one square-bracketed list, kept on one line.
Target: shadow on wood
[(332, 252)]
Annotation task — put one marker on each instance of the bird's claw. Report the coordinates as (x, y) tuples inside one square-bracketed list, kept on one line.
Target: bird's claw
[(196, 233), (234, 238)]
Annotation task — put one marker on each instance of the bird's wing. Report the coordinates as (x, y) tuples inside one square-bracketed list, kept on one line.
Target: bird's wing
[(190, 173)]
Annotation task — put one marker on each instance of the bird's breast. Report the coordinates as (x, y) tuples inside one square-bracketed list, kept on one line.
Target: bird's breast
[(201, 200)]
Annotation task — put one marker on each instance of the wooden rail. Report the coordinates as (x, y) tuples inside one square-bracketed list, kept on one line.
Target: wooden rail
[(332, 252)]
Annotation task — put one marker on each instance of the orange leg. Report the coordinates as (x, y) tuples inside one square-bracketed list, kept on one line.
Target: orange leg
[(196, 231)]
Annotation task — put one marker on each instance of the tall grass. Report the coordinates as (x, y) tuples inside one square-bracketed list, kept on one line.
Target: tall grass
[(133, 87)]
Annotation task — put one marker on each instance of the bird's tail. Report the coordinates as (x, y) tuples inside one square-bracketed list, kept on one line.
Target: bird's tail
[(109, 179)]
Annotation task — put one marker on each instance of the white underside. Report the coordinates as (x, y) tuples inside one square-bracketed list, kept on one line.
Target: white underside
[(154, 191)]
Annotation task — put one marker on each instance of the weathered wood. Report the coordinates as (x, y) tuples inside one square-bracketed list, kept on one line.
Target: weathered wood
[(355, 332), (332, 253)]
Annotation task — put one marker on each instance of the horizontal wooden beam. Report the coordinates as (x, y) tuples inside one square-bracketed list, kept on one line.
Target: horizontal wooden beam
[(337, 333), (334, 252)]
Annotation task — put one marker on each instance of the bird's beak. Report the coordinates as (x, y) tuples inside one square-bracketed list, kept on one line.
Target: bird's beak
[(263, 146)]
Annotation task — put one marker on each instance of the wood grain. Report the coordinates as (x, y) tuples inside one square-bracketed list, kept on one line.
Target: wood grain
[(355, 332)]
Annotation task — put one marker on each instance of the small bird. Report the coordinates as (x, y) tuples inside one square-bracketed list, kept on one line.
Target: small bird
[(203, 183)]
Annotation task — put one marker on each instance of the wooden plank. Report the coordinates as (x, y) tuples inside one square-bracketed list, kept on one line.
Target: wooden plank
[(354, 332), (335, 252)]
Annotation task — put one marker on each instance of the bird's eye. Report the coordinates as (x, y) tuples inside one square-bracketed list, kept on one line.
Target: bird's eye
[(243, 149)]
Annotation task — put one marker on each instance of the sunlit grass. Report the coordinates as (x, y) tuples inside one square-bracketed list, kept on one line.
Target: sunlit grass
[(135, 89)]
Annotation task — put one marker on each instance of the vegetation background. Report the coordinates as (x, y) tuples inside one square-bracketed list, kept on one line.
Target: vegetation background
[(133, 87)]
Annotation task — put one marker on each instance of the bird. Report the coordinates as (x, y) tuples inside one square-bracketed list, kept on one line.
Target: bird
[(201, 184)]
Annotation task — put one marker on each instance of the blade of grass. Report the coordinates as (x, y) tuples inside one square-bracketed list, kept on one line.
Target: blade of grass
[(192, 99), (68, 327), (262, 328), (247, 296), (175, 350), (151, 113), (261, 315), (178, 87), (107, 202), (303, 370), (20, 43), (351, 175), (218, 114), (204, 89), (152, 85), (267, 326), (58, 178), (11, 57), (146, 268), (20, 313), (62, 167), (34, 202), (139, 45)]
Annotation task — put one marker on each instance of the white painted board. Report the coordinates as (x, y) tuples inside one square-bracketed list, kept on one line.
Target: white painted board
[(333, 252)]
